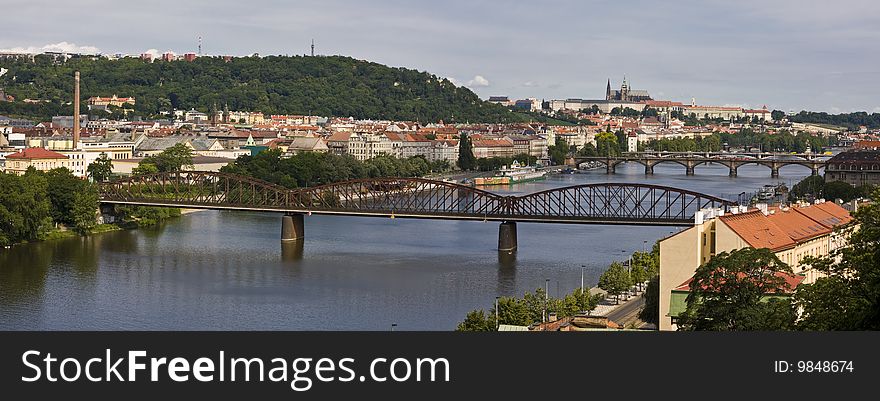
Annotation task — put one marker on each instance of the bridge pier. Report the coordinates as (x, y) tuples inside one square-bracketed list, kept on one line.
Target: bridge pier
[(507, 236), (815, 169), (774, 172), (649, 170), (689, 170), (609, 168), (733, 172), (292, 227)]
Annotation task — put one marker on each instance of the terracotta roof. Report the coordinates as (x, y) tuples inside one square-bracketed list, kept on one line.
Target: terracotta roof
[(798, 226), (754, 228), (793, 280), (783, 228), (838, 214), (340, 136), (36, 153)]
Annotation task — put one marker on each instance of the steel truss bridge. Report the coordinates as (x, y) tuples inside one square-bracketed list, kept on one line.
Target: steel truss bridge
[(606, 203)]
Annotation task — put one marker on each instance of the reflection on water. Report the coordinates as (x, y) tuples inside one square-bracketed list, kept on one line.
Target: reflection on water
[(228, 270)]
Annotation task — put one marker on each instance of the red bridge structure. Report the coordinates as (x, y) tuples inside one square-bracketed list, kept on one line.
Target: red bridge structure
[(606, 203)]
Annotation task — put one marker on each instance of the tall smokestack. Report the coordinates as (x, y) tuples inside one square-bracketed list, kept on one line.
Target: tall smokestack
[(76, 111)]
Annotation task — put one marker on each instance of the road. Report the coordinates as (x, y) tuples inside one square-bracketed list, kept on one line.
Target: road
[(627, 312)]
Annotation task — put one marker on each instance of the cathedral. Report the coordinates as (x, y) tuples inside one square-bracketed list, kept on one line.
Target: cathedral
[(625, 94)]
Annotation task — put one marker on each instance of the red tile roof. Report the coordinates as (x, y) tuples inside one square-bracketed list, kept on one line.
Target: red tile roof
[(36, 153), (754, 228), (784, 228)]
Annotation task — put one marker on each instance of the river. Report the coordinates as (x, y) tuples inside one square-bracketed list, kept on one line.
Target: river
[(219, 270)]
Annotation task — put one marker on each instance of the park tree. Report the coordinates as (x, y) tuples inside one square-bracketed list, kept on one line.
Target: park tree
[(558, 151), (848, 298), (511, 311), (650, 313), (607, 145), (638, 270), (101, 169), (739, 291), (615, 280), (476, 320), (466, 159)]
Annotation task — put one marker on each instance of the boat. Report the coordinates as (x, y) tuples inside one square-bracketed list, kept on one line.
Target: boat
[(767, 192), (514, 174)]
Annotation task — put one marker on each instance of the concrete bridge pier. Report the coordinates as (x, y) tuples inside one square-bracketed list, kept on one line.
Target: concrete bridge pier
[(292, 227), (689, 170), (815, 169), (774, 171), (507, 236), (733, 172), (609, 167), (649, 169)]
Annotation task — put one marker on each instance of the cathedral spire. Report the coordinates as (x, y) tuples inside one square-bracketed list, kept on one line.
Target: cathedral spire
[(608, 90)]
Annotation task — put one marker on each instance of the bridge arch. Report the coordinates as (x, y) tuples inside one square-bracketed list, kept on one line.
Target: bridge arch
[(605, 203)]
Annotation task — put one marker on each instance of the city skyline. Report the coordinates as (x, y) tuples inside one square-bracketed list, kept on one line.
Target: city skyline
[(787, 55)]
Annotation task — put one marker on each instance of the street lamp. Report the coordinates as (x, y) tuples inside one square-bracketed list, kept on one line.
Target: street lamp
[(583, 267), (546, 299)]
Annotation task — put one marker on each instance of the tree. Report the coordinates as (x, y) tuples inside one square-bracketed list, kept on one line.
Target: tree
[(101, 169), (848, 298), (511, 311), (606, 144), (62, 187), (777, 115), (840, 190), (476, 321), (172, 159), (809, 188), (84, 208), (466, 159), (740, 290), (589, 150), (144, 167), (558, 151), (25, 209), (615, 280), (650, 313), (638, 271)]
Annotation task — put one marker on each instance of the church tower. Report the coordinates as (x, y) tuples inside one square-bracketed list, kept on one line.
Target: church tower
[(624, 90), (608, 91)]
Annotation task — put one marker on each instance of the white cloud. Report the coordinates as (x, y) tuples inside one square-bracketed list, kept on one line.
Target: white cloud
[(529, 84), (477, 81), (154, 52), (63, 47), (876, 109)]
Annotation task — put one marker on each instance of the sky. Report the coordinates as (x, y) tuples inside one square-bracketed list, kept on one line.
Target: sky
[(789, 55)]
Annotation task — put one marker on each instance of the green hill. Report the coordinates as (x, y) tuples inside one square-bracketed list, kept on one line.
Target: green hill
[(329, 86)]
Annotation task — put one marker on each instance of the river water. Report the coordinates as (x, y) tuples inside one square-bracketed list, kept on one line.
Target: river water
[(219, 270)]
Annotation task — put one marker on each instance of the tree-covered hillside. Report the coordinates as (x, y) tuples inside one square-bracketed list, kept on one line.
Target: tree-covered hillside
[(329, 86), (849, 120)]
